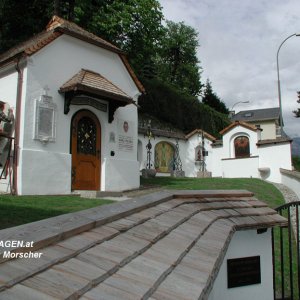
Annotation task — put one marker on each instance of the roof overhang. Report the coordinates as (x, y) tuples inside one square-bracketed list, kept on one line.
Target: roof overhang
[(239, 123), (90, 84)]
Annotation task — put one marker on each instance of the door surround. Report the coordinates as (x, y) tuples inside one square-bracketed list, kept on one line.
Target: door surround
[(86, 151)]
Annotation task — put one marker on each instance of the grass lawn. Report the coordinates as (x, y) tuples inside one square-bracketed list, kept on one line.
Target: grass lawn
[(17, 210), (264, 191)]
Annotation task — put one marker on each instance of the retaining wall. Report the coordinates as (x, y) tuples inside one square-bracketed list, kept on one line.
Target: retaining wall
[(291, 179)]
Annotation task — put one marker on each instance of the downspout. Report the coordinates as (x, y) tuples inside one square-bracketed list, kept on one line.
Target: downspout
[(20, 71)]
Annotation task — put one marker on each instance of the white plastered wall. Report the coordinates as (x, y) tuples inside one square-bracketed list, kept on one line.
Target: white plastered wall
[(274, 157), (51, 67), (224, 162), (247, 244)]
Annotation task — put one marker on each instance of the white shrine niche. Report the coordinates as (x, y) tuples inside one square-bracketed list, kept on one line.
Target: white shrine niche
[(45, 119)]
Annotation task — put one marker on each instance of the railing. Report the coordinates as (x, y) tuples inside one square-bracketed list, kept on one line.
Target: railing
[(286, 250)]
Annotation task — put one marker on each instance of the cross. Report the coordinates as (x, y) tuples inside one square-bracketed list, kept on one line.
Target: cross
[(46, 89)]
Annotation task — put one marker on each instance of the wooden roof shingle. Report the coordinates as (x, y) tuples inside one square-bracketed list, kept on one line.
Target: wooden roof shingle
[(166, 245), (92, 82)]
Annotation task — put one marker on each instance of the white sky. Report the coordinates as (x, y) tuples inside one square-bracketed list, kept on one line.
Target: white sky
[(238, 41)]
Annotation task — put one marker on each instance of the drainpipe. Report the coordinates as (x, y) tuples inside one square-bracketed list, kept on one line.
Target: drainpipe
[(20, 71)]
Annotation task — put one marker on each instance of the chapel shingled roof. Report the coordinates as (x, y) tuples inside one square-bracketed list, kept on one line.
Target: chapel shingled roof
[(239, 123), (57, 27), (200, 131), (92, 82), (166, 245)]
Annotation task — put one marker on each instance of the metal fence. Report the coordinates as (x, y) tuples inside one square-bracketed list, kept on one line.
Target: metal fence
[(286, 260)]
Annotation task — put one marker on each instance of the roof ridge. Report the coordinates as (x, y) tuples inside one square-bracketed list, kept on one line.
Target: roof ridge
[(237, 123), (55, 21)]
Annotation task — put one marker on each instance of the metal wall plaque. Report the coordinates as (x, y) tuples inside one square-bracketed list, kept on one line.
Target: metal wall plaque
[(243, 271)]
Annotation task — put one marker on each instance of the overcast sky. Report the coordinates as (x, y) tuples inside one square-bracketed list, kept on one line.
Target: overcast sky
[(239, 40)]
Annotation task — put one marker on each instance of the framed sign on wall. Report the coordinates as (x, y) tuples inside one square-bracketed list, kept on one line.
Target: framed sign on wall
[(45, 119)]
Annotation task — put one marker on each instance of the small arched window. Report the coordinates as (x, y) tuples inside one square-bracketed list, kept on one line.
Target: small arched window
[(241, 147)]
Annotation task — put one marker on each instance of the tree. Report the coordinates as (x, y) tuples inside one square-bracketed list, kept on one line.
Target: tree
[(31, 14), (177, 60), (133, 25), (168, 104), (297, 112), (211, 99)]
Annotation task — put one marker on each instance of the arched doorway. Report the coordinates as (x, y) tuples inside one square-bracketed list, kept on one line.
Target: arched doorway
[(86, 151)]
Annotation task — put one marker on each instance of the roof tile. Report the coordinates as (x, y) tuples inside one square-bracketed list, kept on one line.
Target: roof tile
[(172, 250), (86, 80)]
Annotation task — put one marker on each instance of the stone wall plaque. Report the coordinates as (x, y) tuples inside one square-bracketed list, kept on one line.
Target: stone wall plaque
[(45, 119), (243, 271), (125, 137)]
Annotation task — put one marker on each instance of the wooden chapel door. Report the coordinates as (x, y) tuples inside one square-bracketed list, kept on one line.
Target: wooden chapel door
[(86, 151)]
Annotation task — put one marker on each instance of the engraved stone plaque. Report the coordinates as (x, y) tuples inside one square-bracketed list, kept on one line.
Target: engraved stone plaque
[(45, 119)]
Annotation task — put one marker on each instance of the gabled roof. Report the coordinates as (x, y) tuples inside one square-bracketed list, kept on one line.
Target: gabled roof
[(57, 27), (167, 245), (239, 123), (264, 114), (94, 83), (200, 131)]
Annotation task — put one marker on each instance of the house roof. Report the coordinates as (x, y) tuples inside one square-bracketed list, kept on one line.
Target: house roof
[(239, 123), (166, 245), (264, 114), (94, 83), (200, 131), (57, 27)]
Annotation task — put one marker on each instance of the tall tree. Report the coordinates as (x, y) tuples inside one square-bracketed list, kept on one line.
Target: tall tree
[(133, 25), (19, 20), (297, 112), (177, 60), (211, 99), (33, 17)]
